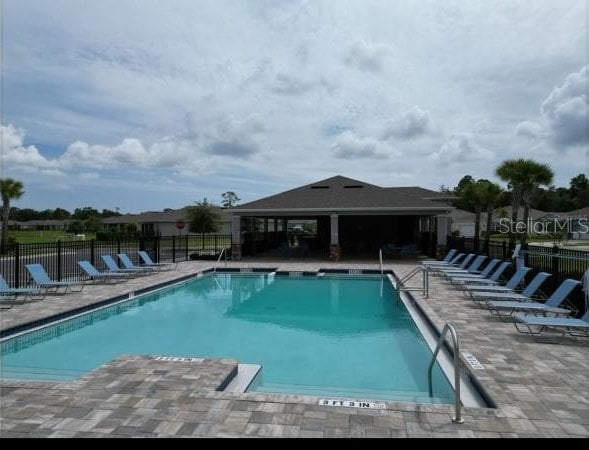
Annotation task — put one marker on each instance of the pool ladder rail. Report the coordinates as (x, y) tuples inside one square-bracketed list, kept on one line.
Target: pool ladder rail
[(457, 404), (223, 252), (424, 289)]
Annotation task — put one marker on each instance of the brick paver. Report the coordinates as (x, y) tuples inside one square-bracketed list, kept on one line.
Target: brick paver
[(540, 385)]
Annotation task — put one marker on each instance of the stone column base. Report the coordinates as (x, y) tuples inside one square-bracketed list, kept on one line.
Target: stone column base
[(334, 252)]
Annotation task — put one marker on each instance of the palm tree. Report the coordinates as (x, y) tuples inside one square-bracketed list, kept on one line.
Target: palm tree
[(10, 189), (523, 176), (491, 196), (480, 196)]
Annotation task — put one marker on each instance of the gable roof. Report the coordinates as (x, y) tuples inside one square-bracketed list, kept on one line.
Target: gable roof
[(344, 193)]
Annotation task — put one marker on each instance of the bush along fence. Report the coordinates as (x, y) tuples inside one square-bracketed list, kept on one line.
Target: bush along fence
[(561, 263), (60, 259)]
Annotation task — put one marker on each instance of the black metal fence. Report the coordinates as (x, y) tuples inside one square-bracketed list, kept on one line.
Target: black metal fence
[(60, 259), (561, 263)]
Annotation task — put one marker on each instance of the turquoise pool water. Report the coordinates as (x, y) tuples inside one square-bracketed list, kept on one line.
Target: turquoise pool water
[(328, 336)]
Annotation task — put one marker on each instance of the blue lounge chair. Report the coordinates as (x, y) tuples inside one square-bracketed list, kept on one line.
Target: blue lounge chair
[(147, 261), (530, 324), (480, 279), (114, 268), (473, 269), (437, 270), (510, 286), (128, 264), (8, 295), (551, 306), (96, 275), (483, 274), (41, 278), (489, 299), (452, 263)]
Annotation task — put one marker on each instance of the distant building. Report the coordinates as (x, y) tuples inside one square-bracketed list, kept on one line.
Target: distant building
[(163, 222)]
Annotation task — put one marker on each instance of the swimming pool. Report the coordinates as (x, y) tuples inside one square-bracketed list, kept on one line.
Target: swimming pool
[(330, 335)]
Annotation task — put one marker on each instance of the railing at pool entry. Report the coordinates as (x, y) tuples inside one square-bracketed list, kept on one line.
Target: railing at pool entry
[(223, 252), (457, 404), (424, 289)]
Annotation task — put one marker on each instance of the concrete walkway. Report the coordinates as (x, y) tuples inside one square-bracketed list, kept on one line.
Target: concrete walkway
[(541, 386)]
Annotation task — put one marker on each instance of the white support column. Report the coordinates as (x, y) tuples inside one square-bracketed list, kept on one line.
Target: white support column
[(334, 248), (334, 229), (236, 237), (442, 229)]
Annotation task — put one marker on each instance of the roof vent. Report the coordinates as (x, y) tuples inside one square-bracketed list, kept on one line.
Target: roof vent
[(353, 186), (319, 187)]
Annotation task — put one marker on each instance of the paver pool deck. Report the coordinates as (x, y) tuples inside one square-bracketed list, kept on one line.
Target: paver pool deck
[(540, 384)]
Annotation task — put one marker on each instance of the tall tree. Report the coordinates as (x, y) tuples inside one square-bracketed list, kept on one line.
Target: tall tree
[(10, 190), (522, 177), (230, 199), (203, 218)]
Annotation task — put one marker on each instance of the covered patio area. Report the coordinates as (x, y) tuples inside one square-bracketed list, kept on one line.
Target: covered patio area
[(339, 218)]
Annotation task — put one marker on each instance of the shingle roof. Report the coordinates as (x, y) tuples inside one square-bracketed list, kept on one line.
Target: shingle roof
[(166, 216), (345, 193)]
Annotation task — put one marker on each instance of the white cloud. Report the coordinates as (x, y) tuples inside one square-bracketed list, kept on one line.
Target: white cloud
[(460, 148), (529, 129), (413, 123), (256, 90), (26, 158), (350, 146), (566, 110)]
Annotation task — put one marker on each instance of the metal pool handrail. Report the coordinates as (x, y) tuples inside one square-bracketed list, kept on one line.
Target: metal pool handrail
[(380, 260), (457, 411), (219, 259), (425, 281)]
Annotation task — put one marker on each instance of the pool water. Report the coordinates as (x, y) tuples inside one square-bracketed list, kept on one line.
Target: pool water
[(327, 336)]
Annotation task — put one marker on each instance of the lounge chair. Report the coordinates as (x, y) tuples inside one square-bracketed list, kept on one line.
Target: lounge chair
[(41, 278), (473, 269), (147, 261), (128, 264), (452, 263), (530, 324), (551, 306), (510, 286), (8, 295), (437, 270), (480, 279), (482, 274), (526, 295), (114, 268), (96, 275)]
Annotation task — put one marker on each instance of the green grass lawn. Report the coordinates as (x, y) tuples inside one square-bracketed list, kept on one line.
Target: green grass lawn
[(34, 237)]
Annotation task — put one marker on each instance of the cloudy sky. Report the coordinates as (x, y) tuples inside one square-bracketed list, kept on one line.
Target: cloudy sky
[(148, 104)]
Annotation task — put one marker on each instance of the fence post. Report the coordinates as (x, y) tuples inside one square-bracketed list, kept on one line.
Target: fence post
[(173, 248), (17, 265), (215, 249), (157, 247), (186, 258), (555, 264), (92, 252), (58, 260), (504, 250)]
